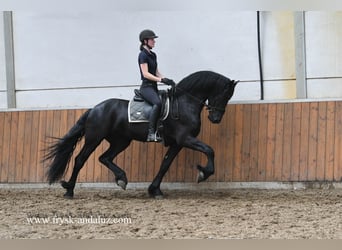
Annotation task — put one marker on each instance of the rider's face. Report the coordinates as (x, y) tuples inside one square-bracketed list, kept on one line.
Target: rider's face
[(151, 42)]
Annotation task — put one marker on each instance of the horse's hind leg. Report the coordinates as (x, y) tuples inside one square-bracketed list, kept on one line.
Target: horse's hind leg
[(107, 159), (80, 159)]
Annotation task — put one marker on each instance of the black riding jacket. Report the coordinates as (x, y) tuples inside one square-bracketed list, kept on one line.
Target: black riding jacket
[(151, 59)]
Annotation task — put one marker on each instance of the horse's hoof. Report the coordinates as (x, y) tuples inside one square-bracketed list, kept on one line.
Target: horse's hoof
[(68, 196), (155, 193), (158, 197), (122, 184), (200, 177), (65, 184)]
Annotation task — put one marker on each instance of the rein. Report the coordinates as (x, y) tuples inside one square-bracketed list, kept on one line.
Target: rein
[(208, 106)]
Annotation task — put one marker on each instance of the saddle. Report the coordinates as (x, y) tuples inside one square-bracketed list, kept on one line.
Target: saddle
[(139, 110)]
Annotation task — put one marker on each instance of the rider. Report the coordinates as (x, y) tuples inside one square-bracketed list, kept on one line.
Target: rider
[(150, 75)]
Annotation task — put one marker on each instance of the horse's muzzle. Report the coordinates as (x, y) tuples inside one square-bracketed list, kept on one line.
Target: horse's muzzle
[(215, 118)]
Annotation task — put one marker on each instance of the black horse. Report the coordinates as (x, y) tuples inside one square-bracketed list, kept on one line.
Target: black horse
[(109, 120)]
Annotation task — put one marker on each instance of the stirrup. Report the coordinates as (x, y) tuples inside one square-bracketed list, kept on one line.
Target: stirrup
[(153, 137)]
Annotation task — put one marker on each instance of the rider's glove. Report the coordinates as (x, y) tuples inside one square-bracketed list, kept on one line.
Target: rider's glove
[(168, 82)]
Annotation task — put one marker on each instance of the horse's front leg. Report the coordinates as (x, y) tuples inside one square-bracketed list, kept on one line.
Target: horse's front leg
[(154, 188), (195, 144)]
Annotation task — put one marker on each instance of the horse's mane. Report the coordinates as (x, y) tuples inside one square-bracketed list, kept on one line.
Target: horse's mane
[(200, 79)]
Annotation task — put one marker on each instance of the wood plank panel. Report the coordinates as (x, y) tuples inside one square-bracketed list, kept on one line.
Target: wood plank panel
[(41, 167), (330, 142), (34, 163), (321, 141), (279, 142), (246, 154), (254, 138), (6, 142), (143, 161), (134, 162), (338, 143), (304, 142), (295, 141), (229, 147), (262, 143), (287, 143), (313, 141), (150, 172), (238, 138), (19, 164), (271, 139), (254, 142), (12, 157), (2, 145), (27, 147)]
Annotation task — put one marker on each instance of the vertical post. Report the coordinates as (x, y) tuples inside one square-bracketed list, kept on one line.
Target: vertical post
[(9, 58), (260, 59), (300, 54)]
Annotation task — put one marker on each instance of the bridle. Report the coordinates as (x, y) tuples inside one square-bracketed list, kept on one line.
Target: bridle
[(214, 108), (207, 106)]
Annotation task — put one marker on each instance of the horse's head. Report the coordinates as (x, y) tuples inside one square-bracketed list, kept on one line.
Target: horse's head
[(218, 100)]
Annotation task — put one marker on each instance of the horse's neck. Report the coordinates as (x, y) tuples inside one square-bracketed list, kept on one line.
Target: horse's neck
[(194, 101), (198, 95)]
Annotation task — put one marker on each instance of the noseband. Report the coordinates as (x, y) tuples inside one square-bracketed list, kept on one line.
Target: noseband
[(214, 108)]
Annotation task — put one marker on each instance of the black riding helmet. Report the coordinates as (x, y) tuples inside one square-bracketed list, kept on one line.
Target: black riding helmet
[(146, 34)]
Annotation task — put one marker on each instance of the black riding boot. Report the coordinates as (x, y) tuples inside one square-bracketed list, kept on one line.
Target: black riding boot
[(152, 134)]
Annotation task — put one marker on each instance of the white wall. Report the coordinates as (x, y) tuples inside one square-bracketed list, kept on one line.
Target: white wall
[(77, 59), (86, 57), (277, 32), (324, 54)]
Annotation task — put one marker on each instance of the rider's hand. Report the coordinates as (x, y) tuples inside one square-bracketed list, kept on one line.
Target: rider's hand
[(168, 82)]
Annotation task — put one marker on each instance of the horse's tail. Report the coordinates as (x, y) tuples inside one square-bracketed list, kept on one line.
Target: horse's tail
[(61, 152)]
